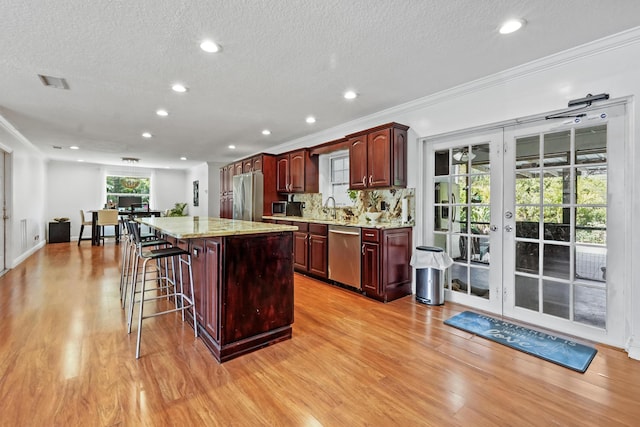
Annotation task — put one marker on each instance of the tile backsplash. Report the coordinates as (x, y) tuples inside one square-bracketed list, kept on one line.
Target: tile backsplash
[(390, 199)]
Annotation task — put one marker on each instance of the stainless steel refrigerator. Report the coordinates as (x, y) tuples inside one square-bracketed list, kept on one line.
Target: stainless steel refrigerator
[(248, 190)]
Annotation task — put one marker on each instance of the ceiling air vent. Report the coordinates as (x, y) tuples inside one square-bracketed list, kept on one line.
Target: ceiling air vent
[(56, 82)]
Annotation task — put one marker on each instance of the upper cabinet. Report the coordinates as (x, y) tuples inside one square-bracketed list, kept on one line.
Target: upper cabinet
[(297, 172), (378, 157), (265, 163), (253, 164)]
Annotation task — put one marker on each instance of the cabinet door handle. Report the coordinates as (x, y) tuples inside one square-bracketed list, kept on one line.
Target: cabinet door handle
[(370, 180), (364, 181), (362, 249)]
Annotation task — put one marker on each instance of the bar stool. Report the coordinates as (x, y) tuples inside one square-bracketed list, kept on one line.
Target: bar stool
[(183, 301), (129, 255)]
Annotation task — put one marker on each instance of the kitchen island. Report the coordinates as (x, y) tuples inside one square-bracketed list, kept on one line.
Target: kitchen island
[(243, 280)]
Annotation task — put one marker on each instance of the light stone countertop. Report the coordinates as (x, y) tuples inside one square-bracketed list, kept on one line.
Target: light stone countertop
[(379, 225), (190, 227)]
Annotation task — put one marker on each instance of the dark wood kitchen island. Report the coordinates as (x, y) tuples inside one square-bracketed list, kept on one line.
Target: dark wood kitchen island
[(243, 280)]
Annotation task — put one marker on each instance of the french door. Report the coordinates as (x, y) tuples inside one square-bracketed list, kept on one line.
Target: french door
[(524, 211)]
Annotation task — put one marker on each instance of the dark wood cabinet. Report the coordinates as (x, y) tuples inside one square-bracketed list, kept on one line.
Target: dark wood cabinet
[(378, 157), (318, 250), (310, 248), (386, 254), (297, 172), (239, 311), (300, 251), (252, 164), (371, 268), (265, 163), (226, 191), (198, 267), (211, 292)]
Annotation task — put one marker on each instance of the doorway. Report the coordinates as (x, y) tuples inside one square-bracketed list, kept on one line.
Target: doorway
[(524, 212), (3, 199)]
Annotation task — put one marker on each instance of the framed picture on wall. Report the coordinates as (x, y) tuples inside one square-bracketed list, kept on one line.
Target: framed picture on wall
[(196, 193)]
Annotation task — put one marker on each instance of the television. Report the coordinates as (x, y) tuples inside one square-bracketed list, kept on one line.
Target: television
[(128, 202)]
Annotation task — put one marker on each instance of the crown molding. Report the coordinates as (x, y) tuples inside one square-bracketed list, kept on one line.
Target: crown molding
[(4, 124), (605, 44)]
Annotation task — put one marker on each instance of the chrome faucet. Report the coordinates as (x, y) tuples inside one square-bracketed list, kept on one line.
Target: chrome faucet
[(333, 210)]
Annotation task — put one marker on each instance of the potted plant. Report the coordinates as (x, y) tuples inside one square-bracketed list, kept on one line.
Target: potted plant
[(178, 210)]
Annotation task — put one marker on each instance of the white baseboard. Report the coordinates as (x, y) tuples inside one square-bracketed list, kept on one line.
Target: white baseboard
[(17, 261), (633, 348)]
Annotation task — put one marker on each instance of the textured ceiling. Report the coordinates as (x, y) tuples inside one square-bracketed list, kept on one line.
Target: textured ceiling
[(281, 61)]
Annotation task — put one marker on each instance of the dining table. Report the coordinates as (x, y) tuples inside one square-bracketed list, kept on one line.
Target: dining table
[(95, 229)]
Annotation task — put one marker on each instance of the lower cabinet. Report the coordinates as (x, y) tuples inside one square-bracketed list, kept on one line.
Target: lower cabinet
[(386, 254), (243, 291), (310, 249)]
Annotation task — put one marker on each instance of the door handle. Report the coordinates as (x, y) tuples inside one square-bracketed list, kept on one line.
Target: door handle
[(493, 228)]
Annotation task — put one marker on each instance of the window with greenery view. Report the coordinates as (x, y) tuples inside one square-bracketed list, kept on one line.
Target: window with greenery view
[(126, 186)]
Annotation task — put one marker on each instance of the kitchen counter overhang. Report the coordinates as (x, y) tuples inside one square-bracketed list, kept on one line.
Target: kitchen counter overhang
[(243, 280), (191, 227)]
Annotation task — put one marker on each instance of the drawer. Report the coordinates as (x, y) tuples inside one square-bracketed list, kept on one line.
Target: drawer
[(370, 235), (303, 227), (321, 229)]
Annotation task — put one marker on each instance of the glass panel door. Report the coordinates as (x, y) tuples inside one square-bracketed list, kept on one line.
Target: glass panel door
[(463, 208), (555, 232)]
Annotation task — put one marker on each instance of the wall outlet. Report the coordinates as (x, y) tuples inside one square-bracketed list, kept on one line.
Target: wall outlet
[(383, 205), (36, 237)]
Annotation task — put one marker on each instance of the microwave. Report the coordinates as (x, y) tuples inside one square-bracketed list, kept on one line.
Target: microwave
[(283, 208), (278, 208)]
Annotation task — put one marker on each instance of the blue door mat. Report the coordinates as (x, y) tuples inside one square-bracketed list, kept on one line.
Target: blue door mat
[(554, 349)]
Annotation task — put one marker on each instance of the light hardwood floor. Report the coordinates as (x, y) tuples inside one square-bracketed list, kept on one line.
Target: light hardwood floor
[(66, 360)]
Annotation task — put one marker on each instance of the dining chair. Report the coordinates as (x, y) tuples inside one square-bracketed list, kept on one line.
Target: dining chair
[(108, 217), (83, 222)]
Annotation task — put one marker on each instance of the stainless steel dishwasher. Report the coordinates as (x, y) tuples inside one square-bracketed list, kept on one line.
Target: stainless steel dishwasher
[(344, 255)]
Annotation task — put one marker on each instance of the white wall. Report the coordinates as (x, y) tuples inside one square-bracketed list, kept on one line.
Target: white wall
[(214, 188), (199, 173), (71, 186), (26, 173), (169, 186)]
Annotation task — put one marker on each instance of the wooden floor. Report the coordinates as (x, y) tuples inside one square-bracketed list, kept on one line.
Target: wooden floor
[(66, 360)]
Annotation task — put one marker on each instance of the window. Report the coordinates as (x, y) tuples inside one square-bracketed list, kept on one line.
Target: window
[(334, 177), (126, 186)]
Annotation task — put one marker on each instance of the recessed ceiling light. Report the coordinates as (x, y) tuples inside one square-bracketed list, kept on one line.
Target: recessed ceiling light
[(183, 158), (179, 88), (162, 113), (266, 132), (74, 147), (511, 26), (80, 160), (311, 119), (232, 147), (209, 46), (146, 135), (350, 95)]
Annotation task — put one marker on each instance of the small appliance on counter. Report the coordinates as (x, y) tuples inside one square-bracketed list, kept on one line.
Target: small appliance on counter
[(284, 208)]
